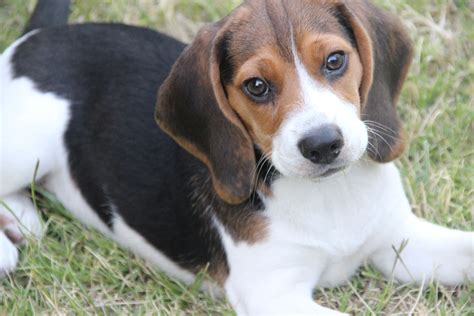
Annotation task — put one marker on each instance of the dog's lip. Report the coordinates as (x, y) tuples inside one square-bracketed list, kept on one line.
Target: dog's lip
[(315, 174), (331, 171), (327, 173)]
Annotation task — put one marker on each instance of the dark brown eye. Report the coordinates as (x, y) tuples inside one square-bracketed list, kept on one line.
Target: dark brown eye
[(335, 61), (257, 88)]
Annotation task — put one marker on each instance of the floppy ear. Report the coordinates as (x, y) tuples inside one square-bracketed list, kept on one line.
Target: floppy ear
[(385, 51), (193, 109)]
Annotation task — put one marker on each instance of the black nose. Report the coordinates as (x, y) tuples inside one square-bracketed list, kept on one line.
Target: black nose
[(323, 145)]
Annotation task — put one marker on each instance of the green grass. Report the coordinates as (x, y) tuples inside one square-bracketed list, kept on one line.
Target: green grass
[(75, 270)]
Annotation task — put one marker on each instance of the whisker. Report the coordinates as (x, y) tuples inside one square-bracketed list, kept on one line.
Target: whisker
[(379, 132), (378, 123), (258, 168), (373, 150), (382, 138), (266, 175)]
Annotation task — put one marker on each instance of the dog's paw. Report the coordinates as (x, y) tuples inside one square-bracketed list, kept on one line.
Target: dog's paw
[(8, 253), (18, 220), (303, 307), (10, 238), (9, 227)]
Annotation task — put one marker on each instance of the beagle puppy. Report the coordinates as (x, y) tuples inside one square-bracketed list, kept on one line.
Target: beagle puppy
[(271, 163)]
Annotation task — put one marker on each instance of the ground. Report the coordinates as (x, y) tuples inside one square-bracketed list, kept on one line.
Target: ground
[(74, 270)]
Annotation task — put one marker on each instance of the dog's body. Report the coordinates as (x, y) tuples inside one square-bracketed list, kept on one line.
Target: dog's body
[(152, 168), (80, 100)]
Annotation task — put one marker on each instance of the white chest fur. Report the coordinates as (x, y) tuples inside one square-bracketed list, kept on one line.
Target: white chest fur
[(338, 215)]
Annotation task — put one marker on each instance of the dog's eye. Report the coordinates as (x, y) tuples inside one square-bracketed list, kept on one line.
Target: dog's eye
[(335, 61), (257, 88)]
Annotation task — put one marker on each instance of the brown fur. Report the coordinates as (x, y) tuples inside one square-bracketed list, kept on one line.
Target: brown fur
[(242, 222), (263, 121), (4, 222), (15, 236)]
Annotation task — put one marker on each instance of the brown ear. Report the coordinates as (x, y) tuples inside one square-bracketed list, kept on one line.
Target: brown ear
[(386, 52), (193, 109)]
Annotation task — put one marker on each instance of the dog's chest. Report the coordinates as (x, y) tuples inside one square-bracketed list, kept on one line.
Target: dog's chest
[(337, 216)]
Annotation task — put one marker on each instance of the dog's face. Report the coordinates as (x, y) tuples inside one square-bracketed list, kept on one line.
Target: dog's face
[(308, 83), (296, 87)]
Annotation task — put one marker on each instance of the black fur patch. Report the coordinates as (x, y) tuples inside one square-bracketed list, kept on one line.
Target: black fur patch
[(118, 156)]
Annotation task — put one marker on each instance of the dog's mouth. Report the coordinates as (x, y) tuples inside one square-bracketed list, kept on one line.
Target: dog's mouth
[(322, 172), (268, 172), (332, 171)]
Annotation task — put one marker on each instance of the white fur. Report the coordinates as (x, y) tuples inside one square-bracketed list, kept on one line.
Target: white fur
[(32, 124), (319, 106), (20, 215), (322, 231), (8, 255), (21, 128)]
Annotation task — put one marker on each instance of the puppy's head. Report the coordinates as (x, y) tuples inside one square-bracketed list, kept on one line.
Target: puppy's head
[(312, 84)]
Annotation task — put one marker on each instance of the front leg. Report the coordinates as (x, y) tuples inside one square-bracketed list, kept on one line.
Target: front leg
[(418, 251), (18, 220), (273, 278), (266, 297)]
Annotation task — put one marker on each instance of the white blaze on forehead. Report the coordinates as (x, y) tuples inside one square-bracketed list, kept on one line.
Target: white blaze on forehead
[(314, 93), (318, 105)]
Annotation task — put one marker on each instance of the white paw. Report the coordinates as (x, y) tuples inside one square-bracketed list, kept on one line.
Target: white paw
[(295, 312), (8, 255), (304, 307), (18, 218)]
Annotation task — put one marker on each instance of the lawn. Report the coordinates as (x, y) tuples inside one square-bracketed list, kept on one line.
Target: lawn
[(74, 270)]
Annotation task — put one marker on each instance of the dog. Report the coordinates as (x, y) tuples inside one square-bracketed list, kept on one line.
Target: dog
[(271, 165)]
